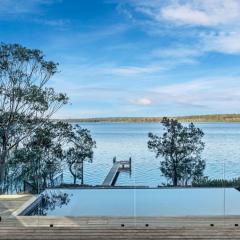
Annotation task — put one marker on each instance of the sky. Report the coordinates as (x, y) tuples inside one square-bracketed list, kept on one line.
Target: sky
[(134, 57)]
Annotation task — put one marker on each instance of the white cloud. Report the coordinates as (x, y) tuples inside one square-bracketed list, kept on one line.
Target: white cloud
[(142, 101), (220, 93), (202, 12), (53, 22), (225, 43), (177, 52), (192, 12), (18, 7), (185, 14), (132, 70), (29, 11), (219, 22)]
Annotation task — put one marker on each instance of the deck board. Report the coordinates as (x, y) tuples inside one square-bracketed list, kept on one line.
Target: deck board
[(116, 233)]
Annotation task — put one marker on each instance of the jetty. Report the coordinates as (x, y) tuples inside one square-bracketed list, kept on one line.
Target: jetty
[(118, 166)]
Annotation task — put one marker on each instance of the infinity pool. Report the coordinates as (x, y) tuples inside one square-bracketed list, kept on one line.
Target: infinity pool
[(139, 202)]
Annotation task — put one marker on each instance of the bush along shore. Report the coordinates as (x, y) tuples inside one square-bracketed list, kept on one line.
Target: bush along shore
[(205, 182), (193, 118)]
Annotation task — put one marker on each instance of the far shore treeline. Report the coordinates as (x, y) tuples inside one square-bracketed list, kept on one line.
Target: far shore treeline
[(193, 118)]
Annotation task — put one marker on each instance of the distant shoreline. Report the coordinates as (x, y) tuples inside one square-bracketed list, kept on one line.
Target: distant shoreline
[(193, 118)]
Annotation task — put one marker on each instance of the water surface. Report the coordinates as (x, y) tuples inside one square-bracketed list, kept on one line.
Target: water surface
[(222, 152)]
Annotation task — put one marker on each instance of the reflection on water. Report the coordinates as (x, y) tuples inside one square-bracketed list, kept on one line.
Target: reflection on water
[(51, 201), (142, 202)]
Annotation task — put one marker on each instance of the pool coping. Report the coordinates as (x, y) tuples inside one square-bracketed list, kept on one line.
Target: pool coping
[(30, 203), (126, 222)]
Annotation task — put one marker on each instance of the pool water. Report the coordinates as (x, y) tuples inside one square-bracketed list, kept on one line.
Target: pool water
[(140, 202)]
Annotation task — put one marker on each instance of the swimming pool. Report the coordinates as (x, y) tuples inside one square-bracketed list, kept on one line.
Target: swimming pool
[(138, 202)]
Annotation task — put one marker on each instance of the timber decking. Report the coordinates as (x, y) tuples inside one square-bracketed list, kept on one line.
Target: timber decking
[(117, 233), (10, 203)]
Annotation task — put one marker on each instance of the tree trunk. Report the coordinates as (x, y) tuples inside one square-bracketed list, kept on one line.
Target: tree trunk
[(3, 157), (74, 179), (175, 176), (2, 167), (73, 174), (82, 174), (175, 180)]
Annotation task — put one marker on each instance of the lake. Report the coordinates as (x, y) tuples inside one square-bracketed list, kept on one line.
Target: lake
[(124, 140)]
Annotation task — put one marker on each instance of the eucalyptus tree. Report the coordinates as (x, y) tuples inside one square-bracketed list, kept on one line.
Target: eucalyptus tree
[(26, 103), (80, 150), (181, 147), (40, 158)]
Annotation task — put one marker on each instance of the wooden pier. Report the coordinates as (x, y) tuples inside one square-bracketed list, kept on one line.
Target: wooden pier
[(118, 166)]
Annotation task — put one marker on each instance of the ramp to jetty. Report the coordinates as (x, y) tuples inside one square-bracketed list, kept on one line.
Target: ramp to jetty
[(117, 167)]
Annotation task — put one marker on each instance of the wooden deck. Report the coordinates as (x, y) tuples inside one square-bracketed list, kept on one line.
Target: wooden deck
[(10, 203), (113, 233), (117, 167), (47, 227)]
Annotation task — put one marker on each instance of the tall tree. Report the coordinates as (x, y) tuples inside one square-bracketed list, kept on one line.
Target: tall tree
[(80, 150), (181, 148), (40, 157), (26, 103)]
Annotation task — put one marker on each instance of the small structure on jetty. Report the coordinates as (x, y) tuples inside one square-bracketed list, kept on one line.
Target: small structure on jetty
[(118, 166)]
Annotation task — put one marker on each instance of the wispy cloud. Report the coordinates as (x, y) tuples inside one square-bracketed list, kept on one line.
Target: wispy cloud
[(177, 52), (213, 25), (33, 11), (215, 93), (191, 12), (201, 12), (19, 7), (132, 70), (142, 101), (53, 22), (228, 43)]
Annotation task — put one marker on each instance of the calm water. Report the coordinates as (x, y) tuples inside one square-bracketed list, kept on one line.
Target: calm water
[(140, 202), (222, 152)]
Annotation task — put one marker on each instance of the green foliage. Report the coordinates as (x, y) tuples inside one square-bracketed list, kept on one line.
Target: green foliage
[(32, 147), (181, 148), (206, 182), (80, 150), (40, 157), (26, 103)]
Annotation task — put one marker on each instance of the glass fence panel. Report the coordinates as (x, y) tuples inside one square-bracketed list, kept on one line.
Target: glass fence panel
[(130, 181), (184, 174), (230, 152)]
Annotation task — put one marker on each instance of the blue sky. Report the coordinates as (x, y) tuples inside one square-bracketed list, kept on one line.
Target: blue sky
[(134, 57)]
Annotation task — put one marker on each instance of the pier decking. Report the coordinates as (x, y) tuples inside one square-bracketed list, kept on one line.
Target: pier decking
[(117, 167)]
